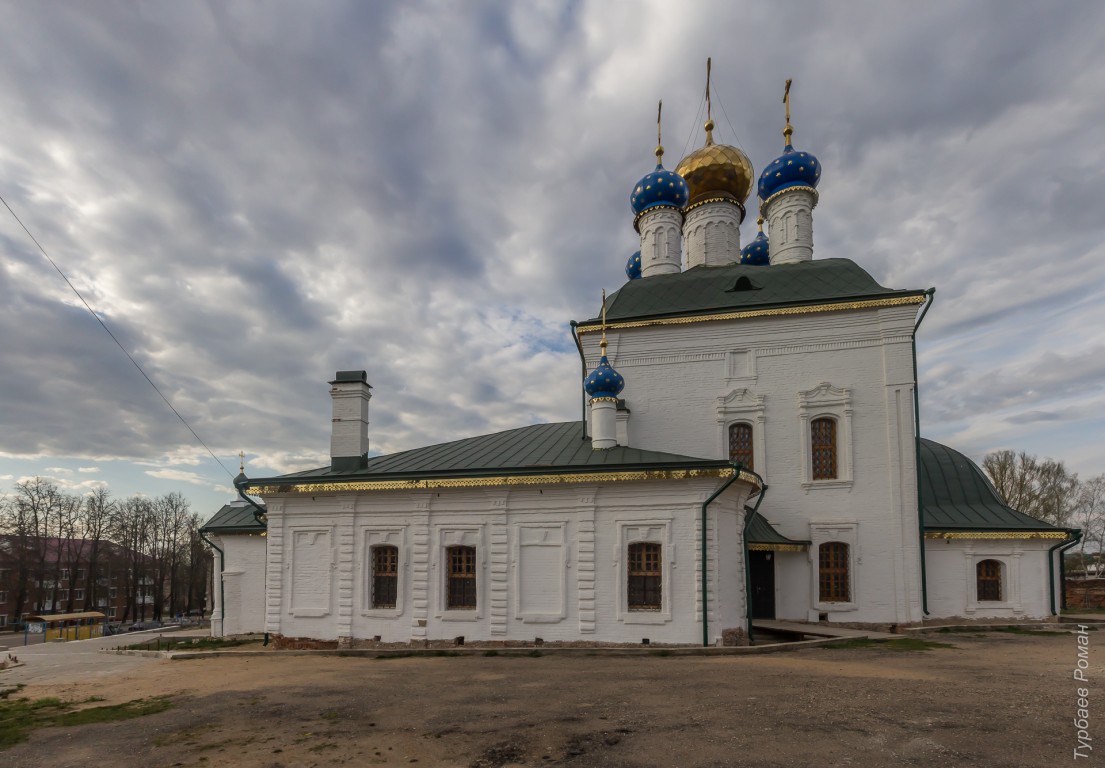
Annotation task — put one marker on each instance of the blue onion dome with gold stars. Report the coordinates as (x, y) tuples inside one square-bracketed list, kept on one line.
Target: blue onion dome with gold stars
[(633, 266), (790, 169), (604, 381), (756, 253), (716, 171), (659, 188)]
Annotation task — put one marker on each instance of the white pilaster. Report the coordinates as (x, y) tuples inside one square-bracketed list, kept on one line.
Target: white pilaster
[(789, 217), (661, 241)]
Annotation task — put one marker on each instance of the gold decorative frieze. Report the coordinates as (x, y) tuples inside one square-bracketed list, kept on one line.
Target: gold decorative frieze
[(996, 535), (757, 547), (894, 301), (343, 486)]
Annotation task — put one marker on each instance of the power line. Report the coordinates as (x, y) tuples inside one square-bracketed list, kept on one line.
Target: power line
[(114, 338)]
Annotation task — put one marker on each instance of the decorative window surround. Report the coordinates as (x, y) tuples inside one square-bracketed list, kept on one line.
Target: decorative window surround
[(632, 532), (743, 405), (459, 536), (394, 536), (823, 533), (825, 400), (1010, 579)]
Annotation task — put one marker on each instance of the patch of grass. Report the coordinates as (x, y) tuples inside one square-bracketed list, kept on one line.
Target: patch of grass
[(190, 644), (662, 652), (535, 653), (18, 717), (1024, 631), (6, 692), (322, 747), (901, 644), (492, 652)]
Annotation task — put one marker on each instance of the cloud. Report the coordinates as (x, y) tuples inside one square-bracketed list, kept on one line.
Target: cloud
[(253, 198), (178, 476)]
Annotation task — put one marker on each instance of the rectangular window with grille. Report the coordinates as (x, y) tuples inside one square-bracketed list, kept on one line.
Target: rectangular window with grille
[(989, 580), (461, 581), (740, 444), (645, 577), (385, 576), (833, 577), (823, 448)]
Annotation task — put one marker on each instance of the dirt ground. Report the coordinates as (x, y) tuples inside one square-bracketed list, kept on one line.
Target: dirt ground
[(992, 700)]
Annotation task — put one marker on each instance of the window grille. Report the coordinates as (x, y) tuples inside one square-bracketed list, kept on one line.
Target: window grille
[(988, 574), (833, 576), (461, 591), (740, 445), (823, 448), (646, 572), (385, 576)]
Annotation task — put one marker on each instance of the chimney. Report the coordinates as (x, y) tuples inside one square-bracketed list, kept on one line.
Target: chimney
[(350, 394)]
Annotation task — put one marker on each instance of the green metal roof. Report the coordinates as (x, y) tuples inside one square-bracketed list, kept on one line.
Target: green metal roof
[(706, 290), (957, 496), (760, 531), (539, 449), (236, 517)]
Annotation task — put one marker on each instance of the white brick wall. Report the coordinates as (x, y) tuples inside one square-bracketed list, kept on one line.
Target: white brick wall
[(676, 374), (243, 585), (578, 535), (952, 578)]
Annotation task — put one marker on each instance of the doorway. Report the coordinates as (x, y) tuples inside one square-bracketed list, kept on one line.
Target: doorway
[(761, 567)]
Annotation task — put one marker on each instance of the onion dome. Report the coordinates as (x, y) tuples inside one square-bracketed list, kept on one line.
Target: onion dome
[(604, 381), (790, 169), (633, 266), (756, 253), (659, 188), (716, 171)]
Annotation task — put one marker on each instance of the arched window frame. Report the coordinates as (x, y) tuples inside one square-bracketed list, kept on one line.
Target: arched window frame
[(371, 538), (742, 444), (742, 405), (842, 532), (826, 402)]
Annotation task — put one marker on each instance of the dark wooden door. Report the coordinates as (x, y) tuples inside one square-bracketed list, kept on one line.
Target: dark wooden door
[(762, 570)]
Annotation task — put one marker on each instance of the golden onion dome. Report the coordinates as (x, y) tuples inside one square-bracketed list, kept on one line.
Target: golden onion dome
[(716, 170)]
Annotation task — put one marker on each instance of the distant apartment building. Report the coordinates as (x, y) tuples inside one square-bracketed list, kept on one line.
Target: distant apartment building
[(44, 576)]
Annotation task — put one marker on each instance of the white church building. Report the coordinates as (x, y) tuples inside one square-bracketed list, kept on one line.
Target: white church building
[(749, 450)]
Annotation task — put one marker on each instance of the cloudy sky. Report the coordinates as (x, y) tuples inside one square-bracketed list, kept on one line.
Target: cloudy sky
[(254, 195)]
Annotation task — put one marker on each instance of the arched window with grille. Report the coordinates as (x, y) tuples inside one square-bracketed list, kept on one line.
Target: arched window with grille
[(834, 577), (988, 580), (646, 577), (460, 578), (823, 448), (385, 576), (740, 444)]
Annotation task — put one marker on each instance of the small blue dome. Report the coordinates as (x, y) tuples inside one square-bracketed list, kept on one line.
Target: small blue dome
[(756, 253), (633, 266), (661, 187), (604, 381), (790, 169)]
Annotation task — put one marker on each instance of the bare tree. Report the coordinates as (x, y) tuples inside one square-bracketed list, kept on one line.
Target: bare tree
[(1041, 488), (1089, 515), (96, 512)]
